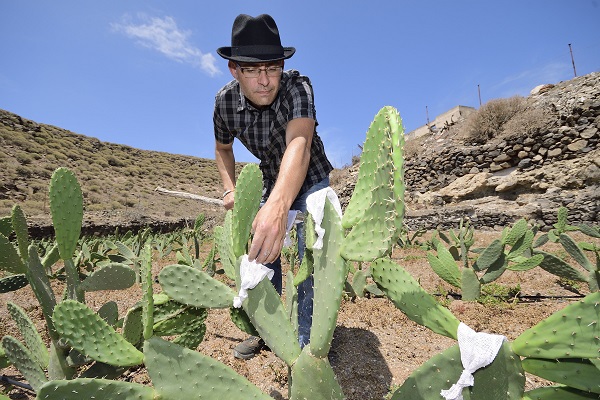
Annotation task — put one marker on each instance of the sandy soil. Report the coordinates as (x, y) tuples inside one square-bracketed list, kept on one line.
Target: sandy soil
[(375, 347)]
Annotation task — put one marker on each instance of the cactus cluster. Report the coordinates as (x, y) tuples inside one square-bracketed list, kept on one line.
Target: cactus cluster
[(72, 326), (512, 251), (563, 348), (559, 267)]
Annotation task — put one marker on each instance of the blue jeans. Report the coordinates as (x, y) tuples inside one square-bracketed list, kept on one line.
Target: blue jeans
[(305, 289)]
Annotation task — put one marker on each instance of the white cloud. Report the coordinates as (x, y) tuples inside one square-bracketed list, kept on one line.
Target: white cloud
[(163, 35)]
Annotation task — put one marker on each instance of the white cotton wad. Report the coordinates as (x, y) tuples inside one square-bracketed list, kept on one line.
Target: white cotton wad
[(315, 205), (251, 273), (477, 349)]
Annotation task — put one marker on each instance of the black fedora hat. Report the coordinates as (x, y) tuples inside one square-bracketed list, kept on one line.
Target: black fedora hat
[(255, 40)]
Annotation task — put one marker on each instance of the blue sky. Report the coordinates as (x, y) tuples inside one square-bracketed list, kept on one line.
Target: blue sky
[(144, 72)]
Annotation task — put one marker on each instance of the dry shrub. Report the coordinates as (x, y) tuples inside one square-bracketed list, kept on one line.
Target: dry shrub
[(526, 123), (488, 122)]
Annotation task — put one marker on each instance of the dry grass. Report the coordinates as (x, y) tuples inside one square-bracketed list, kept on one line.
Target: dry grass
[(113, 177), (488, 122)]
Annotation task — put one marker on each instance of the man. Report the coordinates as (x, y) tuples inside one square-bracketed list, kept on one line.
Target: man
[(271, 111)]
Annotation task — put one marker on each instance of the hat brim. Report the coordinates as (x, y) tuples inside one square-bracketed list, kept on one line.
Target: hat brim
[(225, 52)]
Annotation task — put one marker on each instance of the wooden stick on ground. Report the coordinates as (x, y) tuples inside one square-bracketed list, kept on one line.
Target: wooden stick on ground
[(191, 196)]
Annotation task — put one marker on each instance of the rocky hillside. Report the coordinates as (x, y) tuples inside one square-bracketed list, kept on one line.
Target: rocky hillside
[(528, 171), (118, 182)]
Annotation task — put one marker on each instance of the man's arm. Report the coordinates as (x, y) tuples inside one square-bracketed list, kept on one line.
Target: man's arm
[(269, 225), (226, 165)]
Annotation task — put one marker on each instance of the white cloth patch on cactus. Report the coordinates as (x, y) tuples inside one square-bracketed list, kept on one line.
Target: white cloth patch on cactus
[(315, 204), (251, 273), (477, 349), (290, 224)]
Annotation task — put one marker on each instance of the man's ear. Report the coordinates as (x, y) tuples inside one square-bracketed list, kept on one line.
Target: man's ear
[(233, 69)]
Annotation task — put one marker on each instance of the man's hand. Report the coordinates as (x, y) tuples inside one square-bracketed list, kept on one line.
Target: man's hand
[(269, 228), (270, 223), (228, 200)]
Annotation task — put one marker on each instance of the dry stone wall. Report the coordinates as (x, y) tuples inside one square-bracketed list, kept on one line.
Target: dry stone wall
[(536, 172)]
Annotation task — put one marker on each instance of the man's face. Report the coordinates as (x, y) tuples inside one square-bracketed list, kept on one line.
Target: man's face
[(260, 90)]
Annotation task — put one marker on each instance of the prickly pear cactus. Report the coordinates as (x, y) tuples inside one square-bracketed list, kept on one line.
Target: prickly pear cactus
[(83, 329), (33, 340), (22, 358), (66, 206), (13, 282), (569, 333), (329, 278), (100, 389), (195, 287), (10, 261), (376, 209), (248, 192), (407, 295), (502, 379), (113, 276), (179, 373)]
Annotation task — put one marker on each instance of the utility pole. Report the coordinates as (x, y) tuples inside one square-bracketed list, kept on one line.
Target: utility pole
[(427, 114), (479, 93), (572, 60)]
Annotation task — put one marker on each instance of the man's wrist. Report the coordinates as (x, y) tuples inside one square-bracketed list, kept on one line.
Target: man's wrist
[(225, 193)]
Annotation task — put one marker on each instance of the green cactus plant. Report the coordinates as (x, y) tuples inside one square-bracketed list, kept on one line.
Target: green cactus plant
[(66, 206), (558, 266), (13, 282), (99, 389), (33, 340), (502, 379), (376, 209), (264, 306), (23, 259), (22, 358), (85, 331), (500, 255), (569, 336)]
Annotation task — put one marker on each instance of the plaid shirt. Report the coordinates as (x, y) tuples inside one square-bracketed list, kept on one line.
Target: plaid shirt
[(263, 131)]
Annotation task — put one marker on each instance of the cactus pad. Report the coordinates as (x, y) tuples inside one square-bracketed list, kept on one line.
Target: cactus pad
[(13, 282), (268, 315), (98, 389), (558, 393), (568, 333), (21, 357), (376, 209), (179, 373), (241, 320), (113, 276), (418, 305), (248, 192), (329, 279), (32, 338), (19, 223), (66, 206), (191, 286), (10, 261), (577, 373), (83, 329), (503, 379), (313, 379)]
